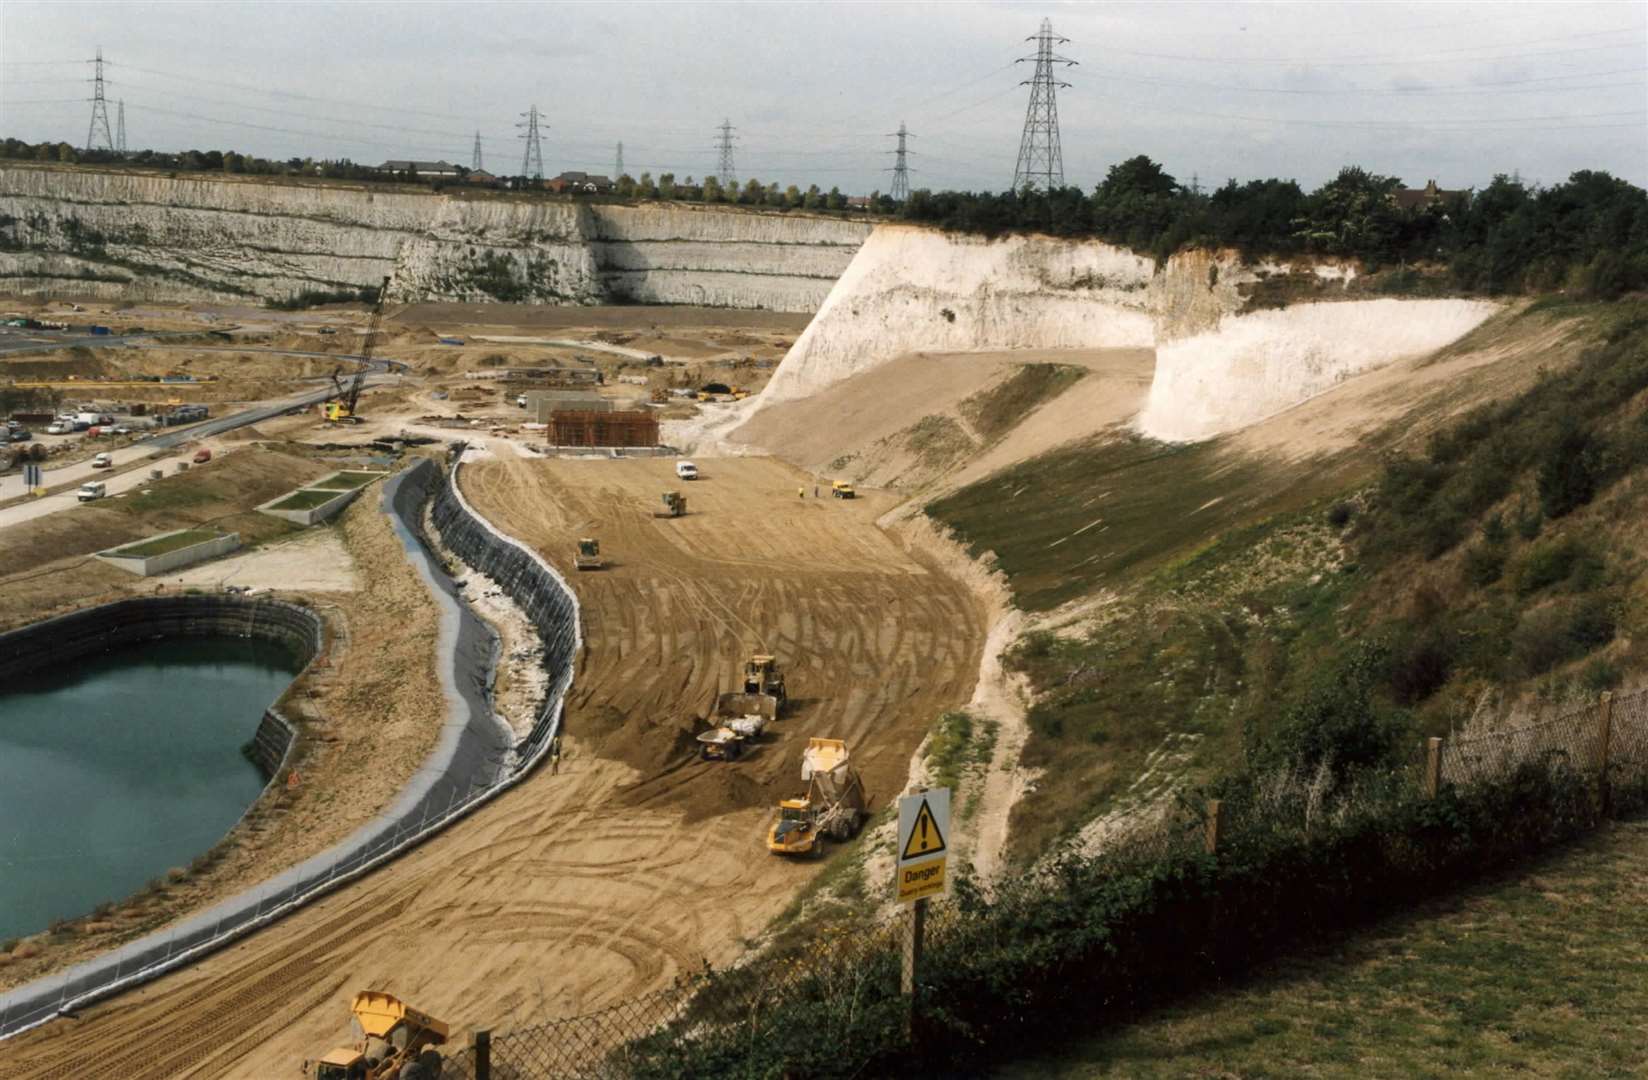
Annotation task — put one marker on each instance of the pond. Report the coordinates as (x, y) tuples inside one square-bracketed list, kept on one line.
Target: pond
[(116, 767)]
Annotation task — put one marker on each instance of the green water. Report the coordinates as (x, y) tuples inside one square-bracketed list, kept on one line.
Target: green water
[(114, 768)]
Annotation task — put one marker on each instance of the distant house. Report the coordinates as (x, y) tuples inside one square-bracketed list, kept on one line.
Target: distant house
[(1429, 195), (432, 170), (579, 183), (480, 176), (860, 202)]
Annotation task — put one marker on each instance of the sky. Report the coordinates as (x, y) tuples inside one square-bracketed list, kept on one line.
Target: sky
[(1455, 92)]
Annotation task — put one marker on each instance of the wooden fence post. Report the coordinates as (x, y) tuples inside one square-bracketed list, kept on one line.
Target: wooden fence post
[(483, 1055), (912, 963), (1605, 734), (1214, 825), (1433, 767)]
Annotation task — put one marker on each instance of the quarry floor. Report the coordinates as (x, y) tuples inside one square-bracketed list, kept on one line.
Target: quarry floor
[(636, 861)]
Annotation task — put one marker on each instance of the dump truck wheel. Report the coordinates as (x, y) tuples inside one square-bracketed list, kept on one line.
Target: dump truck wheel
[(430, 1059)]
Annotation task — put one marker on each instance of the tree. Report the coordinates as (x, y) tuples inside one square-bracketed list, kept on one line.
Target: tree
[(792, 196), (625, 187), (645, 188), (835, 200), (712, 189), (1353, 214), (666, 185), (813, 199), (753, 192)]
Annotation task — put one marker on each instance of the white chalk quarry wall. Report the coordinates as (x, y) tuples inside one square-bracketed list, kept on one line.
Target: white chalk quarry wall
[(912, 289), (1253, 366), (917, 290), (148, 236)]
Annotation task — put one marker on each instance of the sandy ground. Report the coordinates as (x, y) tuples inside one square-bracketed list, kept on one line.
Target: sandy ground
[(315, 560), (856, 427), (636, 862)]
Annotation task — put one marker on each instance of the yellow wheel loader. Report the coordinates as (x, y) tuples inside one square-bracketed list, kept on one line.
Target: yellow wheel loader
[(834, 806), (393, 1041), (588, 555), (761, 676)]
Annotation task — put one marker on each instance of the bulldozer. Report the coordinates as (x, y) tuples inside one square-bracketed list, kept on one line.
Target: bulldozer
[(588, 556), (675, 505), (393, 1041), (834, 806), (761, 676)]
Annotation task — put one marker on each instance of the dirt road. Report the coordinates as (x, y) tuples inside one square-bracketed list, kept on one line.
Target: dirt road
[(580, 889)]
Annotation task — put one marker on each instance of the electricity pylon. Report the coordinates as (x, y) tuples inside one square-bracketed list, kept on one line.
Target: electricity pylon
[(1041, 161)]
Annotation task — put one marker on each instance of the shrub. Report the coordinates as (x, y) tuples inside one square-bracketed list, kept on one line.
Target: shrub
[(1552, 563), (1421, 664), (1341, 513), (1568, 471), (1552, 635), (1483, 565)]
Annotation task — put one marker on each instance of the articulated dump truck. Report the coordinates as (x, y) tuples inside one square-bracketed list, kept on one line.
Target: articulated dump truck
[(393, 1041), (741, 716), (835, 804)]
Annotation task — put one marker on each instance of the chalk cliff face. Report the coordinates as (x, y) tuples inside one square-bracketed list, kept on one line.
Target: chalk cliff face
[(149, 236), (1220, 365)]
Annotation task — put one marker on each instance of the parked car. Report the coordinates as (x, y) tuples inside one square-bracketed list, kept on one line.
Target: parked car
[(202, 456), (120, 429), (59, 427), (90, 491), (20, 434)]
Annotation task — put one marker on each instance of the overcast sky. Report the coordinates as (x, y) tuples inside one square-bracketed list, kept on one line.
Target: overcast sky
[(1451, 91)]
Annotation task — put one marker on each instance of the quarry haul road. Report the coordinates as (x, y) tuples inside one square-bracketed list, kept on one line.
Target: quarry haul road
[(637, 862)]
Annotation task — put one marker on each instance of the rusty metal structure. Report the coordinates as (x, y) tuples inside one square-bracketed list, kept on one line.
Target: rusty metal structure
[(584, 427)]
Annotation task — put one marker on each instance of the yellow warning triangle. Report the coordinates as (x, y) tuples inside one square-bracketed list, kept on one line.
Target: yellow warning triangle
[(925, 839)]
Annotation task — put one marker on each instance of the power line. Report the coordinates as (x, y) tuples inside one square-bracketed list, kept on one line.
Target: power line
[(1041, 159), (1382, 59), (532, 160), (100, 110), (724, 170), (901, 167)]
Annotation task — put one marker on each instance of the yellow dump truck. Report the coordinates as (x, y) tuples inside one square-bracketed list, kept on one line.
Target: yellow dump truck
[(843, 490), (742, 716), (393, 1041), (835, 804)]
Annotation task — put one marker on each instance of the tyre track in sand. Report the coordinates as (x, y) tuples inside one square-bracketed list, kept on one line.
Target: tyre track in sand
[(637, 862)]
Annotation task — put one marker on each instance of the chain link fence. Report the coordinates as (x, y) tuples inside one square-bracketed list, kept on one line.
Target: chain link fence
[(847, 984)]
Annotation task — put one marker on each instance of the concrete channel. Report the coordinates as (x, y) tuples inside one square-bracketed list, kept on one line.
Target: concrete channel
[(474, 760)]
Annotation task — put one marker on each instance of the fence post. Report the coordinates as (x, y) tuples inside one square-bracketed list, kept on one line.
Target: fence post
[(483, 1055), (1605, 734), (1213, 826), (912, 962), (1433, 767)]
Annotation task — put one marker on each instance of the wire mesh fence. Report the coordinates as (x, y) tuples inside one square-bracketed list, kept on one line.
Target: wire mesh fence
[(848, 985)]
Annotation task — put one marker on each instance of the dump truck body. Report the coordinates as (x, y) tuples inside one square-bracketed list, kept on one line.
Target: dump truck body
[(675, 504), (394, 1041), (843, 490), (835, 805), (738, 717)]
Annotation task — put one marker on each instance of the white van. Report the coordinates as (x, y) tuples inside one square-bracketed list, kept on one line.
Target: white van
[(686, 470), (88, 492), (102, 461)]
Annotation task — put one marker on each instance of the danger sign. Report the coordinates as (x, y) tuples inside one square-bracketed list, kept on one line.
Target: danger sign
[(923, 824)]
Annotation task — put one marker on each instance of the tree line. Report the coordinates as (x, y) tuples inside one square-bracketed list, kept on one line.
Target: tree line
[(1588, 233)]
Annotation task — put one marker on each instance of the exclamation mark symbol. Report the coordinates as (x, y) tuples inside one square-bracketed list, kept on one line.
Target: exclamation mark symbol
[(924, 832)]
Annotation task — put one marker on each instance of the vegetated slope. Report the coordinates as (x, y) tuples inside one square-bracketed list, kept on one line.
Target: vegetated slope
[(1239, 607), (929, 420), (144, 235), (1534, 974)]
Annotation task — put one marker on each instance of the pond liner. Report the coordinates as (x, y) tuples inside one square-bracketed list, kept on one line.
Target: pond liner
[(473, 760)]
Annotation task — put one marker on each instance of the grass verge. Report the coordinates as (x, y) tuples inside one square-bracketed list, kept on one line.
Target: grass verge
[(1537, 974), (160, 545)]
